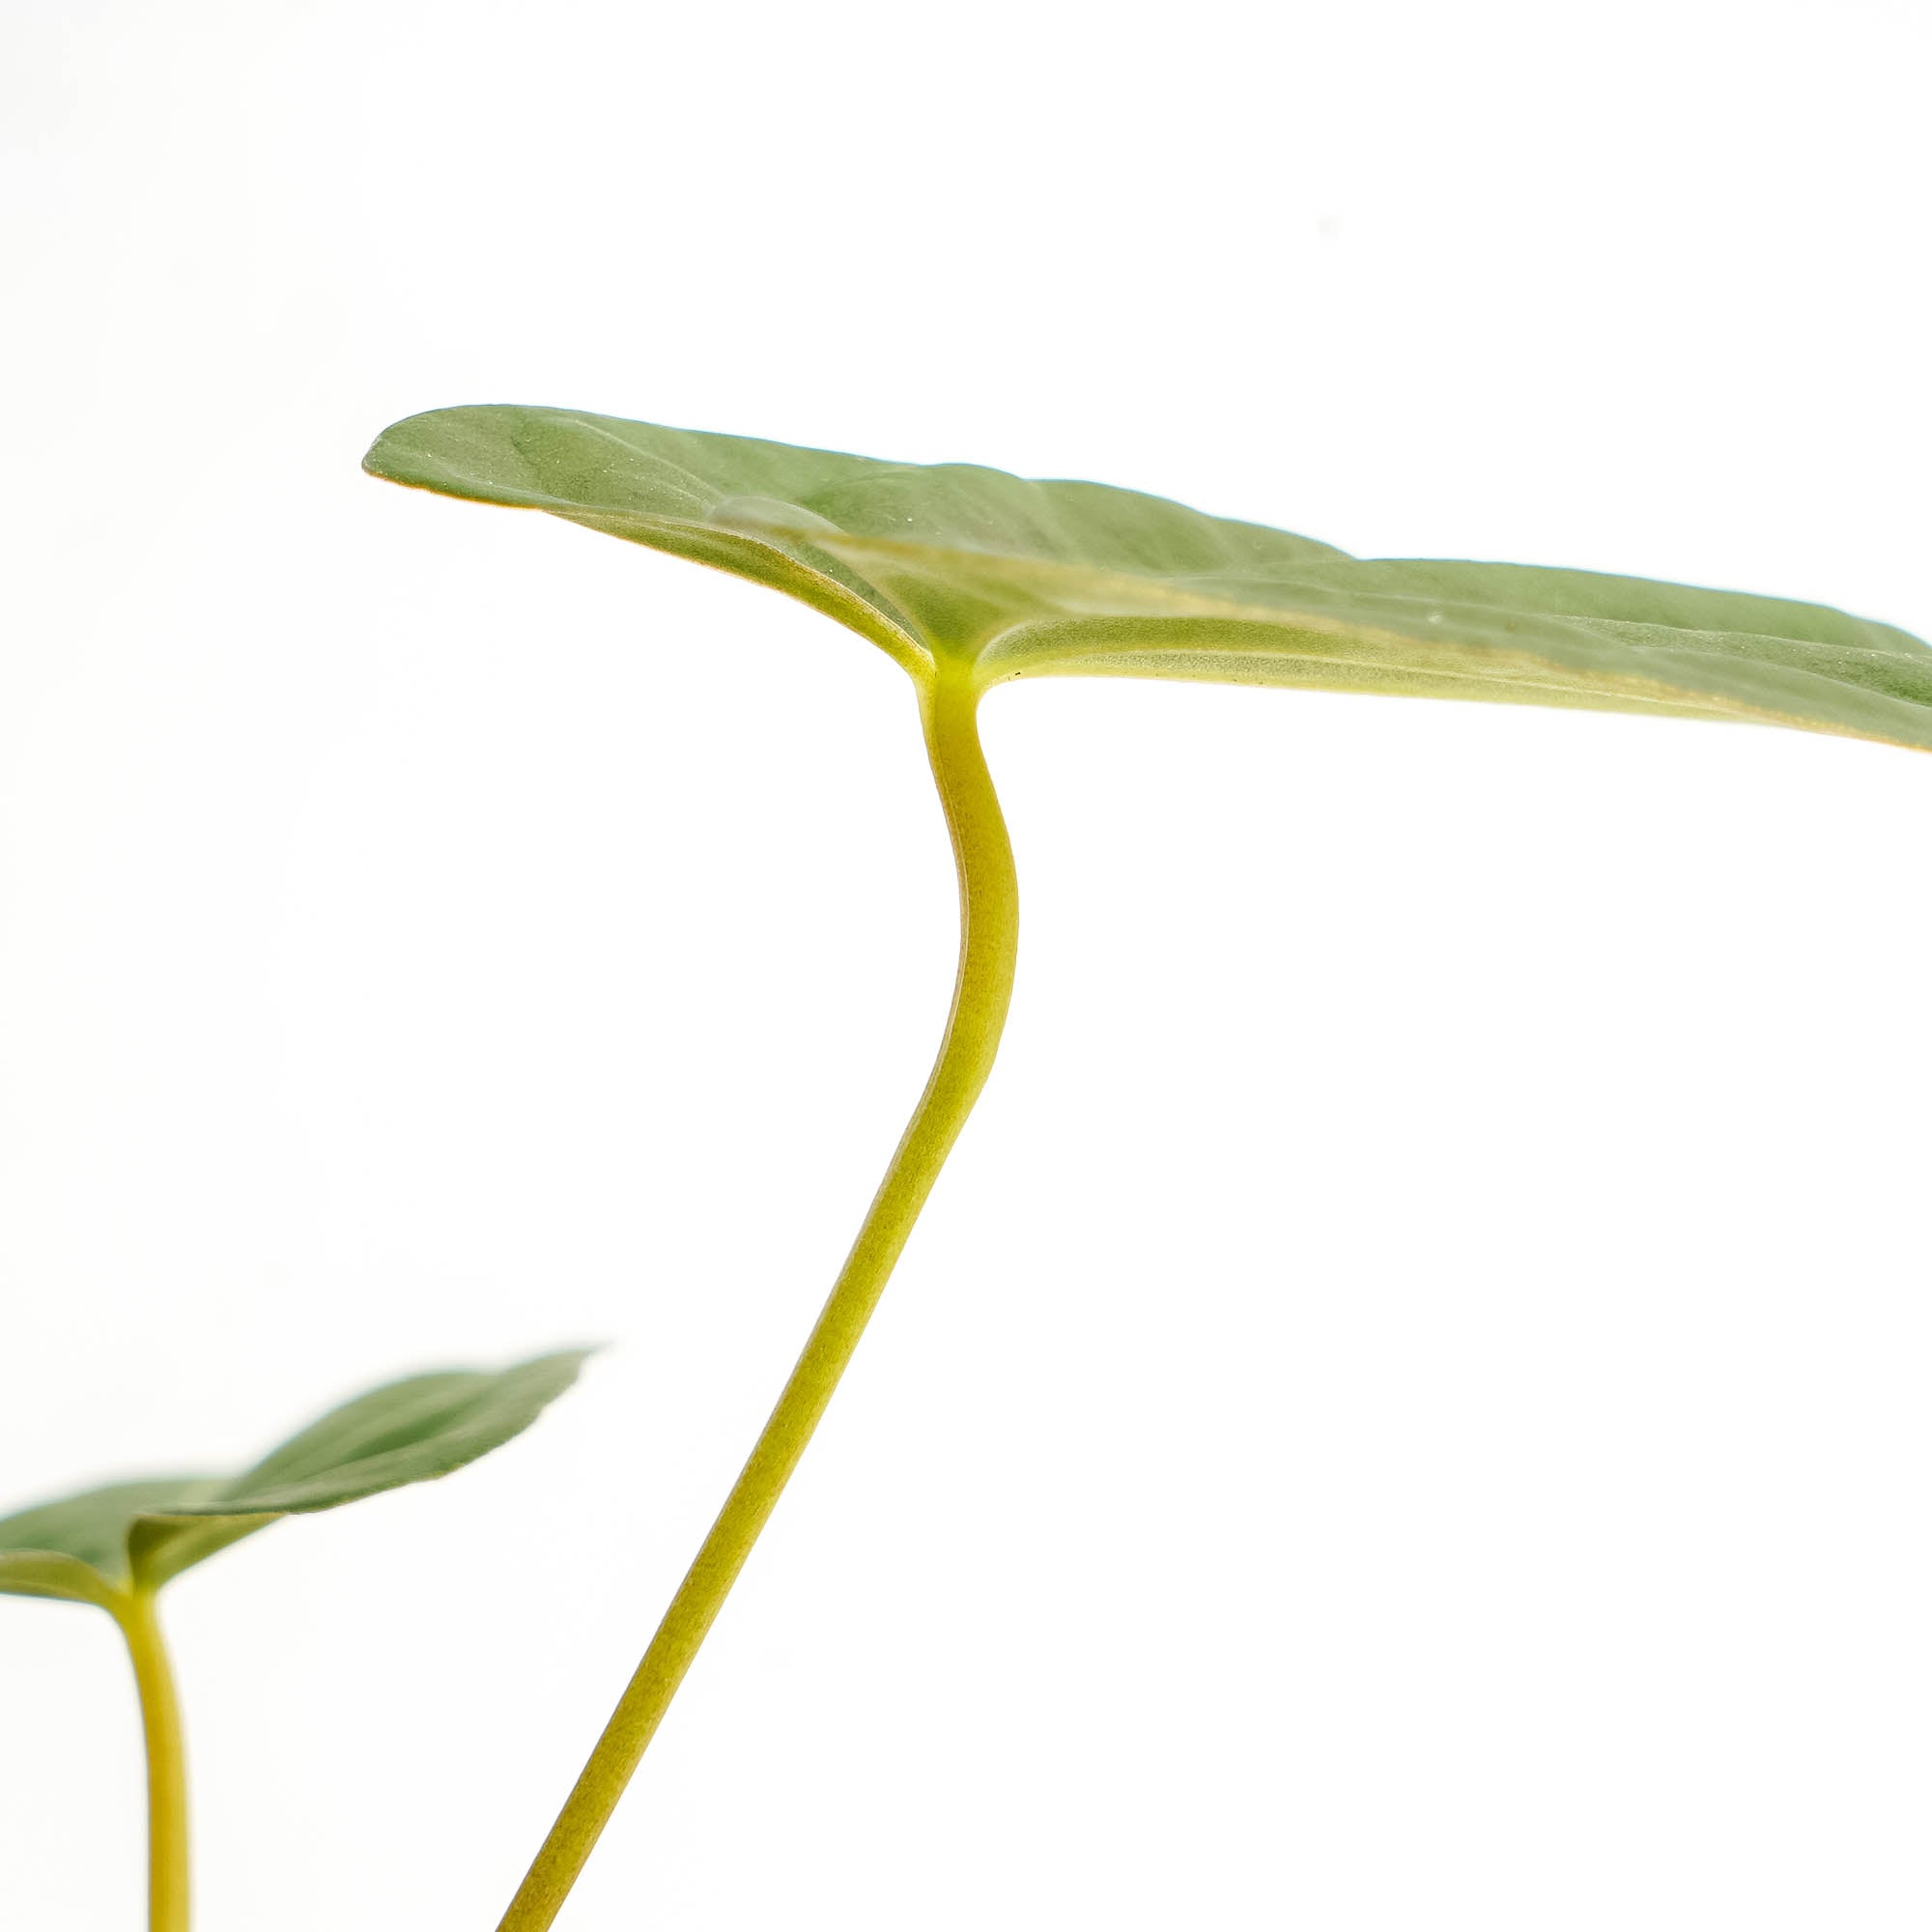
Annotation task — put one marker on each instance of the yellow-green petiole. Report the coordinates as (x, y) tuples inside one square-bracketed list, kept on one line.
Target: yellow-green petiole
[(989, 943)]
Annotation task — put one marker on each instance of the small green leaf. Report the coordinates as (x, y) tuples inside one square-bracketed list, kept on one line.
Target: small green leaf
[(98, 1546), (1023, 580)]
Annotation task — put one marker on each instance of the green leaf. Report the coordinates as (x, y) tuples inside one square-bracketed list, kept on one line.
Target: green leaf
[(1021, 579), (98, 1546)]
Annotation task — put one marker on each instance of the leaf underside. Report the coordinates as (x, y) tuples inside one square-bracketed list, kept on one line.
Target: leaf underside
[(1021, 579), (96, 1546)]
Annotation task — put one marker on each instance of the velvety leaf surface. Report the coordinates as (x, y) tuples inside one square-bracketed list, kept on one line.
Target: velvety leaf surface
[(95, 1546), (1027, 578)]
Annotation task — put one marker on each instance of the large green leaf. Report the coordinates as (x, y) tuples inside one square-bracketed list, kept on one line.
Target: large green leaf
[(1027, 578), (98, 1546)]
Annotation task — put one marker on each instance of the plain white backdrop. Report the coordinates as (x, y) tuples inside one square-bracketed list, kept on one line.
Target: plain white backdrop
[(1407, 1407)]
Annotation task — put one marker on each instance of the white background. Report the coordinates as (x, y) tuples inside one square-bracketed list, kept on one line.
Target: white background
[(1408, 1407)]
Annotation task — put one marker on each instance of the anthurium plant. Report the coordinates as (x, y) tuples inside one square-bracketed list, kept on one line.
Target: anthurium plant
[(967, 578), (117, 1547)]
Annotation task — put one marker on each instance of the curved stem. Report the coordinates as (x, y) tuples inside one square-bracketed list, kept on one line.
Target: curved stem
[(988, 938), (167, 1764)]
